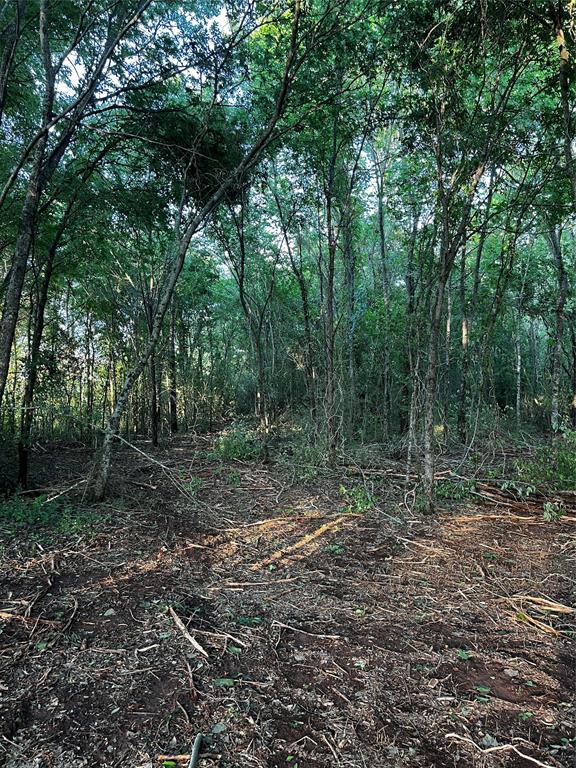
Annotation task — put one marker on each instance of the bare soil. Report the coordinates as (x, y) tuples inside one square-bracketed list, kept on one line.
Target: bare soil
[(314, 636)]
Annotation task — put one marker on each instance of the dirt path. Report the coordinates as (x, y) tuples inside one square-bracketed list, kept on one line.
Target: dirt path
[(314, 637)]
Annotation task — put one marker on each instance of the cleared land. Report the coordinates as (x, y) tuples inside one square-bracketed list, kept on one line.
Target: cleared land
[(291, 623)]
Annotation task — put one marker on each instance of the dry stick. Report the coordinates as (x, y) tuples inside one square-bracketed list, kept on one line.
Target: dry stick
[(501, 748), (194, 643)]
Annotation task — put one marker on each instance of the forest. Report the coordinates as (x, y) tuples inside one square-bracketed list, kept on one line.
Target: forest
[(287, 383)]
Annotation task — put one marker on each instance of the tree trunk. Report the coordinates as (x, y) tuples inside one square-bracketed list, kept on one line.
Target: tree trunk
[(153, 401), (554, 236), (9, 36), (173, 392), (430, 389)]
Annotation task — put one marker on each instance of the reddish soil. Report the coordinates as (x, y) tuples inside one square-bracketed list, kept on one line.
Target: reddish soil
[(381, 639)]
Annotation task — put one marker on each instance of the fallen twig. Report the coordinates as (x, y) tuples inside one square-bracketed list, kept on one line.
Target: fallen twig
[(180, 624), (499, 748), (304, 632)]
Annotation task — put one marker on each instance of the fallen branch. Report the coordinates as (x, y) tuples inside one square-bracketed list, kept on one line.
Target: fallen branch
[(499, 748), (194, 643)]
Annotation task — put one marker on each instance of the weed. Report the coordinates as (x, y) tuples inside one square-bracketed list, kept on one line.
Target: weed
[(483, 693), (526, 716), (336, 549), (359, 499), (194, 485), (248, 621), (238, 443), (463, 655), (454, 490), (307, 460), (553, 465), (19, 513), (520, 489), (553, 511), (234, 477)]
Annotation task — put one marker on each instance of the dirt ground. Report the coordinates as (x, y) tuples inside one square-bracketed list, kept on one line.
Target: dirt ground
[(290, 627)]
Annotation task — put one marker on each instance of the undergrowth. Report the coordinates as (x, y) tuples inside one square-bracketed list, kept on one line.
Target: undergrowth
[(553, 465), (240, 443), (18, 513)]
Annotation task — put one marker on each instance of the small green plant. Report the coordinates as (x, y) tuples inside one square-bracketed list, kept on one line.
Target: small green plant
[(238, 443), (307, 459), (553, 511), (522, 490), (454, 490), (525, 716), (463, 655), (483, 693), (358, 498), (234, 477), (248, 621), (19, 513), (336, 549), (194, 485), (553, 465)]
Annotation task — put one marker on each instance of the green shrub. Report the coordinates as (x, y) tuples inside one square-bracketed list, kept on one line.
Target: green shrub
[(239, 443), (553, 465), (18, 513), (307, 459), (454, 490), (359, 499)]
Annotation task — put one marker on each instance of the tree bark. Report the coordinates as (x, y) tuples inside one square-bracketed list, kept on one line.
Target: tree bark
[(554, 237), (173, 391)]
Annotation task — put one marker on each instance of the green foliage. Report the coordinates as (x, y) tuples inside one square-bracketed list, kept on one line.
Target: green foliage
[(307, 460), (553, 465), (194, 485), (240, 443), (520, 489), (553, 511), (19, 513), (456, 490), (359, 499), (234, 477), (248, 621)]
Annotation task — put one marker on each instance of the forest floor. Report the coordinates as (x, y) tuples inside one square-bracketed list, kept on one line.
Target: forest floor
[(291, 623)]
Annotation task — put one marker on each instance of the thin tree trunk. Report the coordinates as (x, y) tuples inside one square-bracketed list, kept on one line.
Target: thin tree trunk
[(10, 37), (153, 400), (173, 391), (554, 236)]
